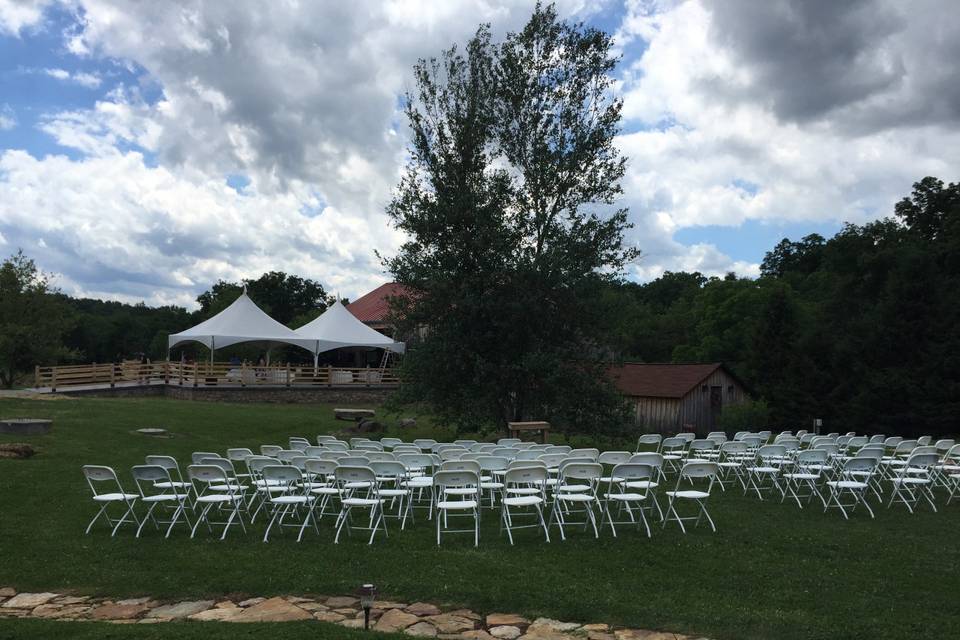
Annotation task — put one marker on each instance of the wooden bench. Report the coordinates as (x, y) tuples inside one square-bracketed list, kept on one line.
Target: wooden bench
[(514, 429), (353, 414)]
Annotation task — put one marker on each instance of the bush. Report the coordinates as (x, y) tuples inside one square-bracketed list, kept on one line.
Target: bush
[(750, 415)]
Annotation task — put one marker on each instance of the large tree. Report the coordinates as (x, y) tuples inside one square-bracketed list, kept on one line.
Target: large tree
[(508, 202), (33, 319), (285, 297)]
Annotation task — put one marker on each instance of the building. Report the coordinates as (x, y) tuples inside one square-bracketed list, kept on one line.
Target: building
[(373, 309), (675, 397)]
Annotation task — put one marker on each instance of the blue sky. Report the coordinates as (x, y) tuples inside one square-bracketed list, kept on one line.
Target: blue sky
[(149, 149)]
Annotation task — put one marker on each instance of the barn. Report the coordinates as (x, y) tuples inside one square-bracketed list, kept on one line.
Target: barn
[(668, 398)]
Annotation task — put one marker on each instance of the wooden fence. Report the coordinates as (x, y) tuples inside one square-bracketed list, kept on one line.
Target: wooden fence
[(205, 374)]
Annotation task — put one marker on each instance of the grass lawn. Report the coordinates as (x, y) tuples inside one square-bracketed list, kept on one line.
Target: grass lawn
[(771, 571)]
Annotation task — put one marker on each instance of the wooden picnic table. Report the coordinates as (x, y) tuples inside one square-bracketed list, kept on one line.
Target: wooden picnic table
[(515, 429)]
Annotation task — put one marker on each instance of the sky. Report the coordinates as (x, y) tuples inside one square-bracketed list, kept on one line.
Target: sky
[(148, 149)]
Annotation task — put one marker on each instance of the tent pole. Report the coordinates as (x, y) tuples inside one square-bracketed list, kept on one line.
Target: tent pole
[(316, 357), (213, 343), (268, 355)]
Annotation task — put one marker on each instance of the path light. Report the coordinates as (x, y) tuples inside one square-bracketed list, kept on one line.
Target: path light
[(368, 593)]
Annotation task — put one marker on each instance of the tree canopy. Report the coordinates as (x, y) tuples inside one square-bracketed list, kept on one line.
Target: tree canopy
[(508, 203)]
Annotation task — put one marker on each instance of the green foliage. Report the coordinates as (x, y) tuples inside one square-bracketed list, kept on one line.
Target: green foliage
[(33, 319), (507, 204), (750, 415), (282, 296)]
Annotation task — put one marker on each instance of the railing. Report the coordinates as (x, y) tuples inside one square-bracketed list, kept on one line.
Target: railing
[(205, 374)]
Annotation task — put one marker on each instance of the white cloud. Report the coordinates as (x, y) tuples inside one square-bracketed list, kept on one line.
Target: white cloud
[(88, 80), (16, 15), (8, 119)]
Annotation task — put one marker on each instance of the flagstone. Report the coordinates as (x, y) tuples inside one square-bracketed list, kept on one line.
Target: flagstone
[(29, 600), (421, 629), (228, 614), (338, 602), (328, 616), (180, 609), (249, 602), (505, 632), (511, 619), (423, 609), (273, 610), (395, 620), (447, 623), (117, 611)]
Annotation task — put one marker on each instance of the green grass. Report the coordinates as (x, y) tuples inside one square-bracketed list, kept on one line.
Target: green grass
[(771, 571), (57, 630)]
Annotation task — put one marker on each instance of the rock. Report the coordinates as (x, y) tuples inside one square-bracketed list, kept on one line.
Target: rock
[(448, 623), (16, 450), (595, 627), (466, 613), (273, 610), (156, 432), (7, 592), (327, 616), (506, 632), (225, 604), (117, 611), (347, 611), (29, 600), (180, 609), (478, 634), (511, 619), (218, 615), (395, 620), (374, 614), (408, 422), (351, 623), (46, 611), (643, 634), (70, 612), (553, 625), (313, 606), (339, 602), (135, 601), (545, 633), (423, 609), (250, 602), (72, 599), (390, 605), (421, 629), (371, 426), (600, 635), (150, 620), (296, 599)]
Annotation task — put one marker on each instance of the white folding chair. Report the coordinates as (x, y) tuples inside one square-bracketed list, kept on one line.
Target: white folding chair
[(524, 487), (359, 489), (851, 482), (214, 488), (672, 450), (392, 477), (766, 466), (692, 472), (618, 493), (157, 488), (576, 486), (95, 475), (465, 486), (269, 450), (650, 486), (293, 498), (914, 481), (319, 478), (806, 474), (730, 461)]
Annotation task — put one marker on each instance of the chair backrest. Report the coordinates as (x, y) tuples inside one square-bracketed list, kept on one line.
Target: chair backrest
[(286, 455), (300, 462), (509, 452), (702, 445), (333, 455), (904, 446), (270, 450), (320, 468), (461, 465), (146, 475), (673, 444), (167, 462), (380, 456), (771, 451), (389, 469), (870, 453), (516, 464), (614, 457), (506, 442), (482, 447), (406, 448), (701, 470), (810, 457), (944, 445), (859, 463), (353, 442), (528, 454), (631, 471), (425, 444), (238, 454), (336, 445), (843, 440), (354, 460), (558, 448), (686, 436), (369, 445), (197, 456), (299, 444), (892, 441), (465, 443), (923, 449), (791, 444), (492, 463), (717, 438), (923, 441), (350, 473), (591, 471), (282, 474), (754, 441), (568, 460), (526, 476), (807, 438), (463, 478), (97, 473), (452, 454), (829, 447), (552, 460), (223, 463), (593, 454), (416, 460), (651, 458), (390, 443), (207, 474), (649, 440), (878, 438), (314, 451), (857, 442), (924, 461), (255, 464), (323, 439)]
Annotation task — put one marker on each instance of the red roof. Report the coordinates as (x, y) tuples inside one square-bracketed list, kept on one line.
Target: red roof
[(660, 380), (373, 308)]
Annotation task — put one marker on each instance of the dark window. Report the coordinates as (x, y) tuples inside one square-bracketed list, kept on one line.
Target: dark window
[(730, 390), (704, 388)]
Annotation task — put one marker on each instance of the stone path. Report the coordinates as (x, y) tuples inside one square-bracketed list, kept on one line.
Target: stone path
[(417, 619)]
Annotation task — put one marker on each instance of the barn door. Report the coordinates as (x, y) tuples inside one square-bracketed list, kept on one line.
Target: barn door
[(716, 405)]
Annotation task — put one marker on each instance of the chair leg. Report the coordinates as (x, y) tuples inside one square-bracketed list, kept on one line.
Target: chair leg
[(104, 508)]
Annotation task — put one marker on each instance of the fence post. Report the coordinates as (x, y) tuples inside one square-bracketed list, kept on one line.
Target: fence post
[(36, 377), (166, 372), (113, 374), (287, 377), (53, 378), (243, 373)]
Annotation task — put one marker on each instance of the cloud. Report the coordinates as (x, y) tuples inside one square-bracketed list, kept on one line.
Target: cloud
[(88, 80), (8, 119), (16, 15)]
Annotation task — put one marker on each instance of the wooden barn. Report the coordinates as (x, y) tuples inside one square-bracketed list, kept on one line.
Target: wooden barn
[(669, 398)]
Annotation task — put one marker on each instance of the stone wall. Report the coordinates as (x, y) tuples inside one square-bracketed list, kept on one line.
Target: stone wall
[(293, 395)]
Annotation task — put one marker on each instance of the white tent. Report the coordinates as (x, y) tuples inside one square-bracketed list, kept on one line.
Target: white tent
[(242, 321), (336, 327)]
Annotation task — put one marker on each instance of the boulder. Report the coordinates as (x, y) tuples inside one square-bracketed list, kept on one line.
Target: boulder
[(423, 609), (328, 616), (180, 609), (228, 614), (406, 423), (118, 611), (371, 426), (339, 602), (421, 629), (72, 599), (478, 634), (351, 623), (552, 625), (505, 632), (249, 602), (449, 623), (7, 592), (395, 620), (511, 619), (29, 600), (273, 610), (16, 450)]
